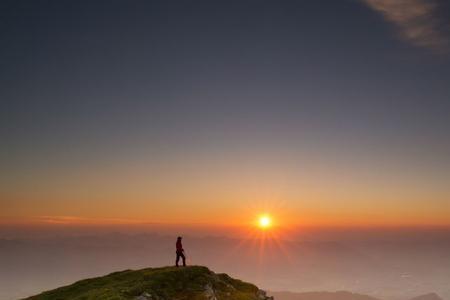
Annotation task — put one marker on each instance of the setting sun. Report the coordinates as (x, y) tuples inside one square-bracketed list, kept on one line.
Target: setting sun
[(264, 221)]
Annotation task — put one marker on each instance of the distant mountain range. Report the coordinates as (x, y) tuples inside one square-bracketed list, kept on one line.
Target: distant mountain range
[(430, 296), (340, 295)]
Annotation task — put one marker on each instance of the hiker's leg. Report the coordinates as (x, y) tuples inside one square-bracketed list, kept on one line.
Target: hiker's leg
[(177, 260), (184, 259)]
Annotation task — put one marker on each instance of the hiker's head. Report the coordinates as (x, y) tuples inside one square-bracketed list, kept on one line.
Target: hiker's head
[(179, 238)]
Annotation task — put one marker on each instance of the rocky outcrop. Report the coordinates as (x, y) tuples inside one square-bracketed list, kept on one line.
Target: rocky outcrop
[(262, 295)]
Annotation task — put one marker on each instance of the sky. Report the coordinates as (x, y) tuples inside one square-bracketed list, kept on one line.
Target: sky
[(328, 113)]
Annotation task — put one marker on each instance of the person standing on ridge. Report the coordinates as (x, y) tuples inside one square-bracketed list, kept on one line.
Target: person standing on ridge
[(180, 252)]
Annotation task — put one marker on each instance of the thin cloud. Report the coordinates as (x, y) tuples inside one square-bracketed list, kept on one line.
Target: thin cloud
[(416, 21), (84, 221)]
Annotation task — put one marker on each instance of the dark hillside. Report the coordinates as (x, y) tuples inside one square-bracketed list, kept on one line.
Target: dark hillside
[(189, 283)]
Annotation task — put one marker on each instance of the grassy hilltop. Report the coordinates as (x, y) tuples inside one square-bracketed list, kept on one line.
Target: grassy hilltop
[(184, 283)]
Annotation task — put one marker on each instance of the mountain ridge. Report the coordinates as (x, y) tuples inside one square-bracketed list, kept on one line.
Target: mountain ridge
[(429, 296), (338, 295)]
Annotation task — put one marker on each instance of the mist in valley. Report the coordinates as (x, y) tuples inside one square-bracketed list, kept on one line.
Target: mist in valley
[(386, 264)]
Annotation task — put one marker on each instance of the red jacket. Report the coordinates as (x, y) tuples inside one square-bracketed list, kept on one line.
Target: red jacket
[(179, 246)]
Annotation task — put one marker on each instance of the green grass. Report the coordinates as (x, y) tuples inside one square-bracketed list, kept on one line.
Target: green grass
[(162, 283)]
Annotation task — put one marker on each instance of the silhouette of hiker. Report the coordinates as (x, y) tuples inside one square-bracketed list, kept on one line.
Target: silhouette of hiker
[(180, 252)]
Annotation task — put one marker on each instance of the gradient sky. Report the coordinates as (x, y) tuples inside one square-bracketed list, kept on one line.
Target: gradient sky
[(319, 112)]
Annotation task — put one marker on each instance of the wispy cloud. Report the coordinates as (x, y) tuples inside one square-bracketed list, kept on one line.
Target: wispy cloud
[(416, 20), (82, 220)]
